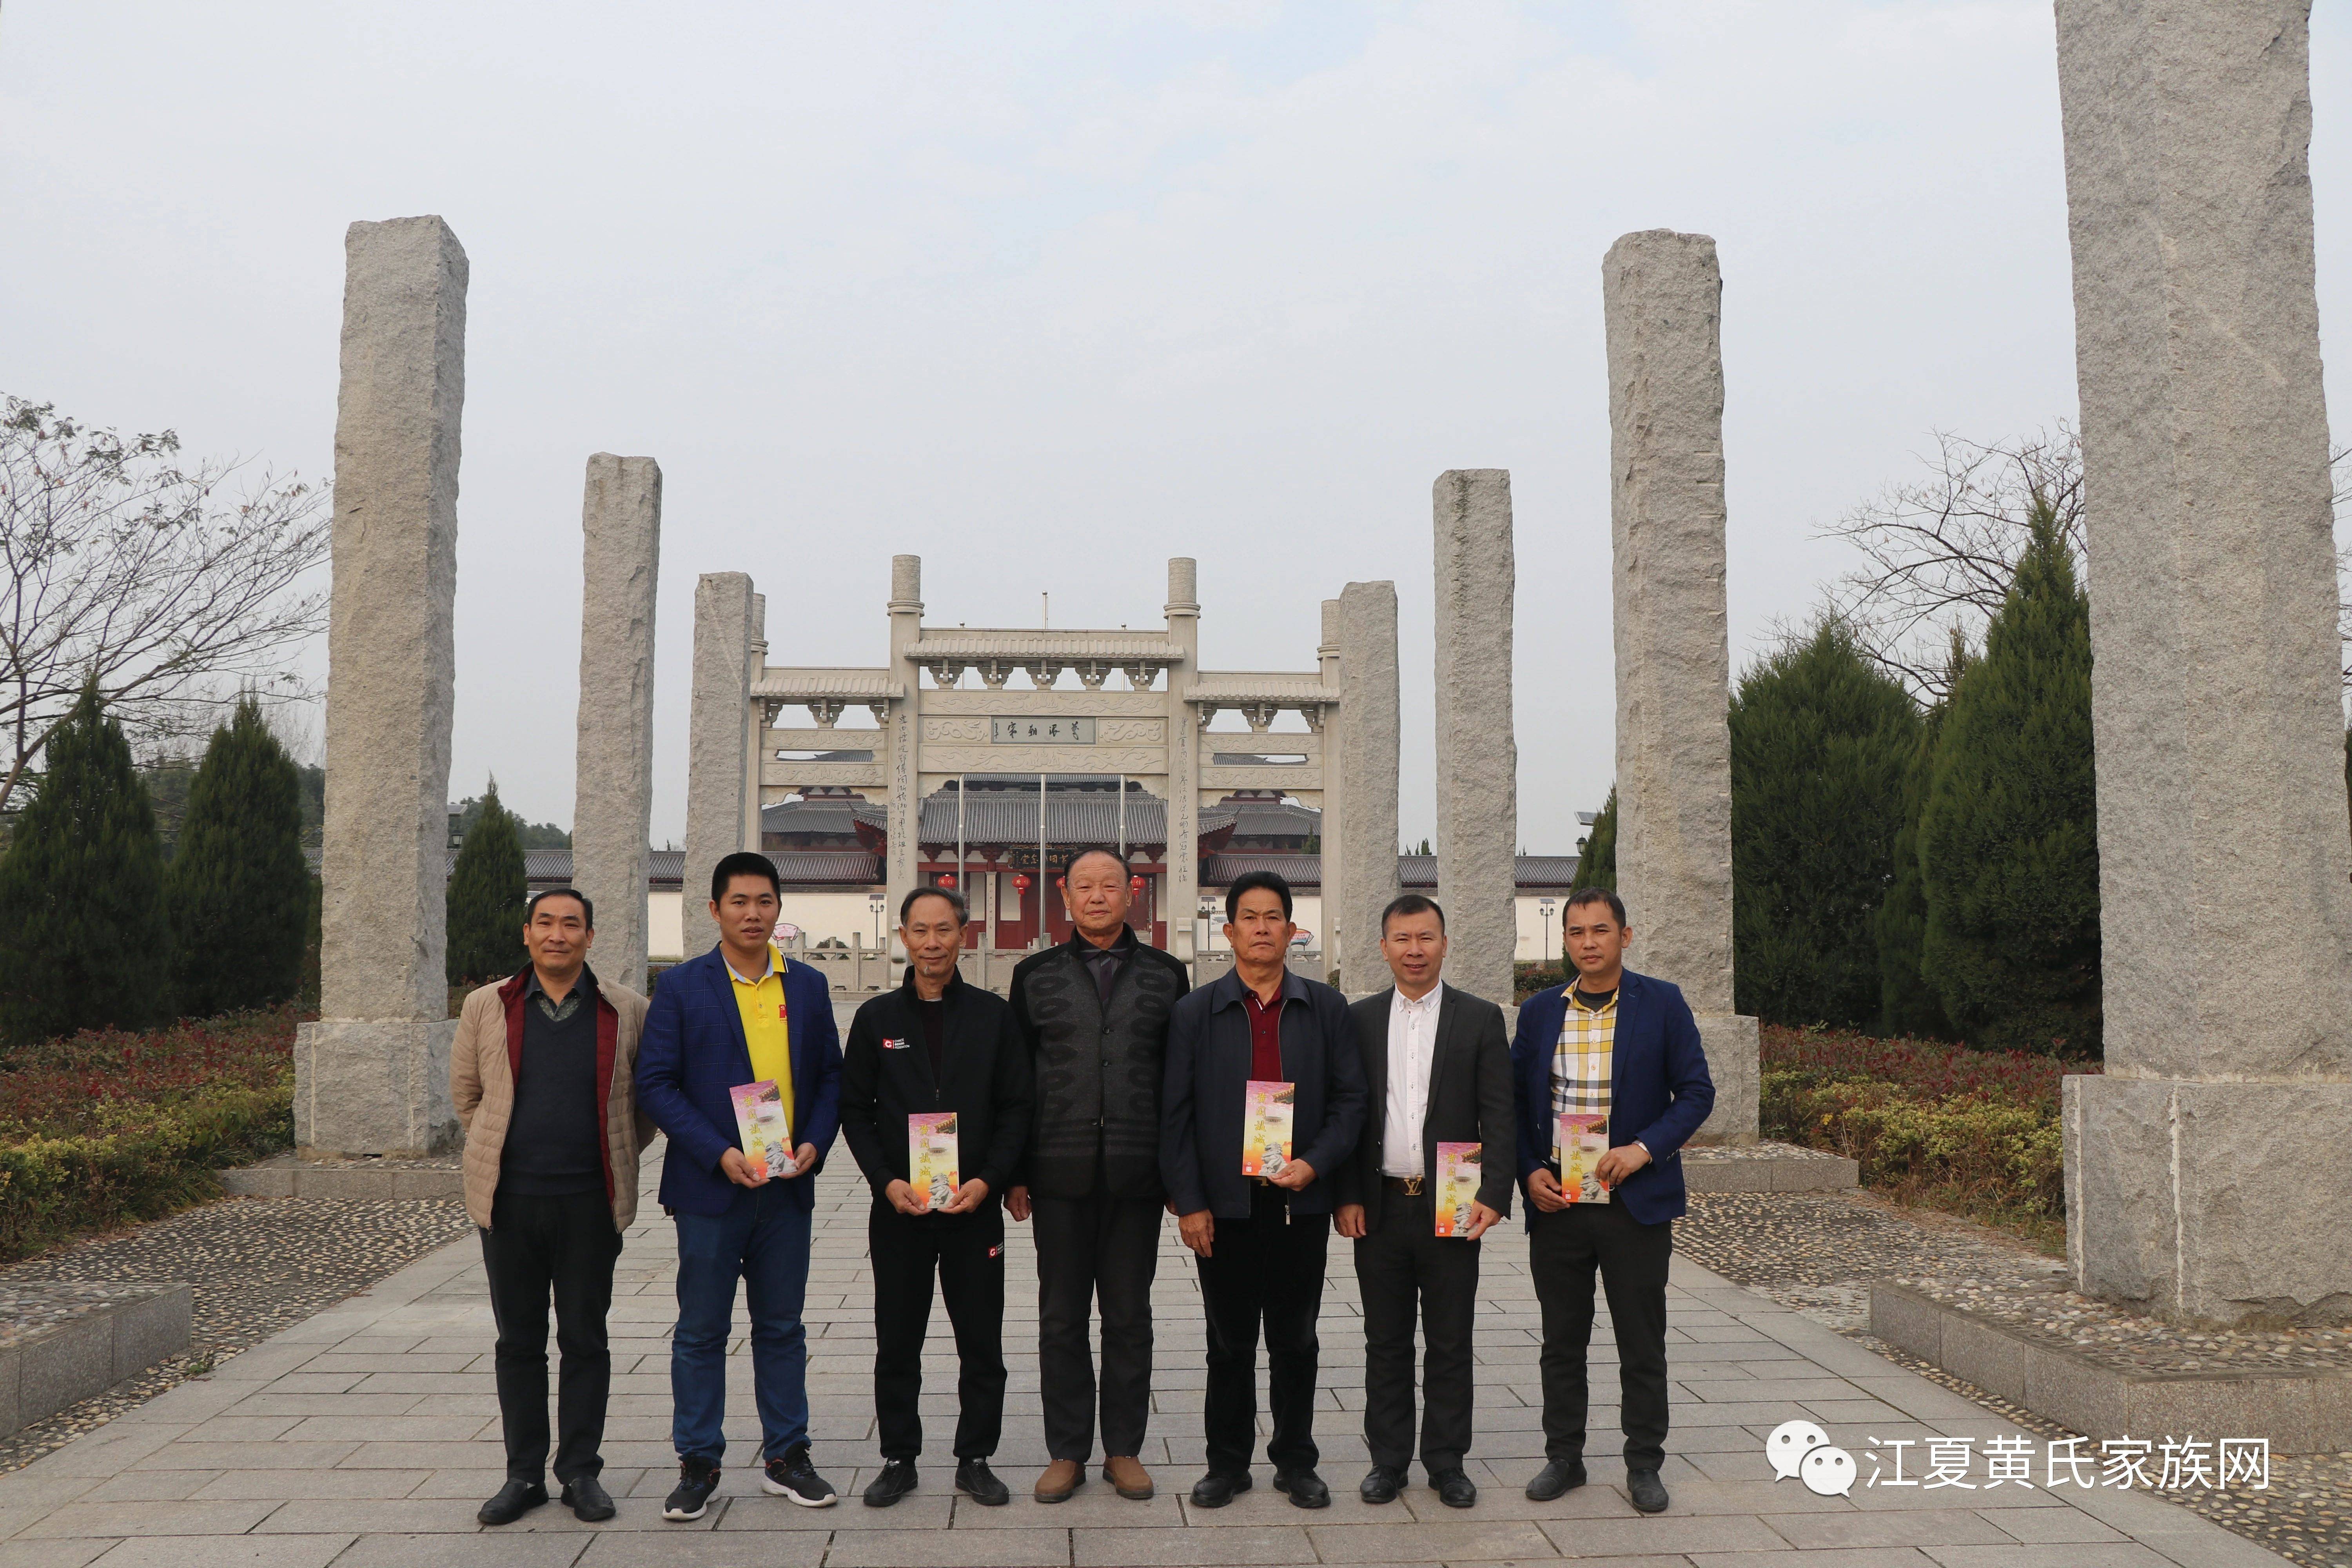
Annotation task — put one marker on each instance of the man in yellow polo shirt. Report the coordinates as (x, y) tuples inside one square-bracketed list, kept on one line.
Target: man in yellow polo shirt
[(736, 1015)]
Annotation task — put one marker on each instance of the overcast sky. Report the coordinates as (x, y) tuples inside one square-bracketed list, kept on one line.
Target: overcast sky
[(1048, 293)]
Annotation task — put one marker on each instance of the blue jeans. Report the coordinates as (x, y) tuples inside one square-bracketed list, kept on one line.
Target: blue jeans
[(764, 1241)]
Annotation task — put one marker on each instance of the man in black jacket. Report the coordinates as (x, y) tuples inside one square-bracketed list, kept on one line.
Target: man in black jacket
[(1261, 1238), (936, 1044), (1437, 1070), (1094, 1013)]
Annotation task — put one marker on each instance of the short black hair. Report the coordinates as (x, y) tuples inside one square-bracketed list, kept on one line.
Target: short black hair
[(1112, 855), (1412, 904), (587, 910), (1250, 880), (743, 863), (955, 901), (1600, 895)]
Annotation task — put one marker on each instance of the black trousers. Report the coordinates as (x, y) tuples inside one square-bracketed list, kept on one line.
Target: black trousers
[(1404, 1269), (565, 1247), (967, 1253), (1266, 1269), (1562, 1253), (1090, 1250)]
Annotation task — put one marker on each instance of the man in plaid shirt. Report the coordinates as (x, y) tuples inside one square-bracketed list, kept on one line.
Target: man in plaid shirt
[(1618, 1052)]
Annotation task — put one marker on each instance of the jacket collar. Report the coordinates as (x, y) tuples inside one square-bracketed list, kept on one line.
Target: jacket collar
[(1228, 990), (955, 983), (1123, 943)]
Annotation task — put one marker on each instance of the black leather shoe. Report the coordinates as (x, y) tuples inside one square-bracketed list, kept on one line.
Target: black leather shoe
[(896, 1479), (1648, 1492), (1381, 1484), (514, 1499), (1306, 1487), (1453, 1488), (1214, 1490), (1558, 1476), (586, 1498), (978, 1482)]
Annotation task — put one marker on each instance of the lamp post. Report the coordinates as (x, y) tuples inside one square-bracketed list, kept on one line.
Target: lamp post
[(1545, 905), (874, 901)]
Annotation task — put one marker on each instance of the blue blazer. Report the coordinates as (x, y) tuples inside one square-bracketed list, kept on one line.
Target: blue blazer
[(1659, 1090), (1207, 1068), (693, 1051)]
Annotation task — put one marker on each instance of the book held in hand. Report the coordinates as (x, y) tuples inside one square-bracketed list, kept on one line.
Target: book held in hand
[(1458, 1172), (1581, 1142), (760, 1122), (931, 1158), (1267, 1110)]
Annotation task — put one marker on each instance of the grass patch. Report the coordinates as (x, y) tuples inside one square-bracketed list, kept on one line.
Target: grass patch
[(1970, 1132), (108, 1126)]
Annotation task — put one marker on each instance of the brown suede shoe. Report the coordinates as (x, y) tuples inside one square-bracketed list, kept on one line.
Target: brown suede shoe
[(1062, 1477), (1128, 1475)]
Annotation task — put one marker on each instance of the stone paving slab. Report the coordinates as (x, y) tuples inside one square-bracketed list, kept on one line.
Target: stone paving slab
[(367, 1434)]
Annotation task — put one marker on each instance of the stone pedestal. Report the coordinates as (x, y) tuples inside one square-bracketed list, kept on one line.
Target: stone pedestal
[(2210, 1169), (373, 1076), (719, 785), (1477, 758), (1366, 848), (612, 790), (1662, 296)]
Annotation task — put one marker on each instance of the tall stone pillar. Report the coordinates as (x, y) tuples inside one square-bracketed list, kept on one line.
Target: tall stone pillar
[(717, 779), (612, 774), (1367, 850), (1333, 872), (2208, 1170), (904, 740), (372, 1075), (1478, 755), (1184, 746), (1662, 297)]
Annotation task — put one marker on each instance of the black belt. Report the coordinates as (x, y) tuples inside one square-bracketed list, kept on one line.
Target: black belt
[(1409, 1185)]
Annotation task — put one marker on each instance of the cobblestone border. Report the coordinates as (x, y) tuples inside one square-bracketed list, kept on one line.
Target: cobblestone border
[(2300, 1411)]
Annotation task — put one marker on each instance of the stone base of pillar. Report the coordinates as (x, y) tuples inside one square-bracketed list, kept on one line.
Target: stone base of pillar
[(2211, 1202), (1734, 1050), (365, 1087)]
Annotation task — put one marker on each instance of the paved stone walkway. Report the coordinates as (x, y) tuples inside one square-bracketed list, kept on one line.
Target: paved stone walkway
[(366, 1437)]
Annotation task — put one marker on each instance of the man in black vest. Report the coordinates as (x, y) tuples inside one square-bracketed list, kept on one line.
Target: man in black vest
[(1437, 1070), (936, 1044), (1094, 1012)]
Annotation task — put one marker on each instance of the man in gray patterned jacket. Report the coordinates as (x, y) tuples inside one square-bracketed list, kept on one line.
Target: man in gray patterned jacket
[(1095, 1013)]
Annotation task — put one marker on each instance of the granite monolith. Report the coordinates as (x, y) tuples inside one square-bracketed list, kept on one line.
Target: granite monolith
[(2209, 1167), (372, 1076), (1370, 733), (718, 783), (1661, 299), (1478, 757), (612, 774)]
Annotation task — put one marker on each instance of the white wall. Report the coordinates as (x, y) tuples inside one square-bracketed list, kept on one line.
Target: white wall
[(665, 929)]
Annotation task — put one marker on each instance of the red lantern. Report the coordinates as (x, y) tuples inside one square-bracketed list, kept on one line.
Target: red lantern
[(947, 878), (1020, 883), (1135, 886)]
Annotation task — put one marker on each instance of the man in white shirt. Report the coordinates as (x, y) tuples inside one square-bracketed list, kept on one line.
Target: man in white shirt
[(1438, 1068)]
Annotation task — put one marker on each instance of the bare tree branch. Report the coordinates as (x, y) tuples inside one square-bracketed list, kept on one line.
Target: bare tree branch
[(120, 566)]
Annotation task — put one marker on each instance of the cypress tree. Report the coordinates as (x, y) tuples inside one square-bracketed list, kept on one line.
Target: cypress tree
[(2009, 833), (1820, 742), (486, 888), (1907, 1004), (82, 940), (237, 888), (1597, 867)]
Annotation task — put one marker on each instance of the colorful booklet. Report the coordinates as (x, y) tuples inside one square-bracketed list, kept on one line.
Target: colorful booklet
[(931, 1158), (1267, 1110), (760, 1122), (1579, 1142), (1458, 1172)]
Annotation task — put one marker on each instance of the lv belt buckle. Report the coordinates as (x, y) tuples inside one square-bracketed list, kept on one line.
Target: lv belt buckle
[(1412, 1186)]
